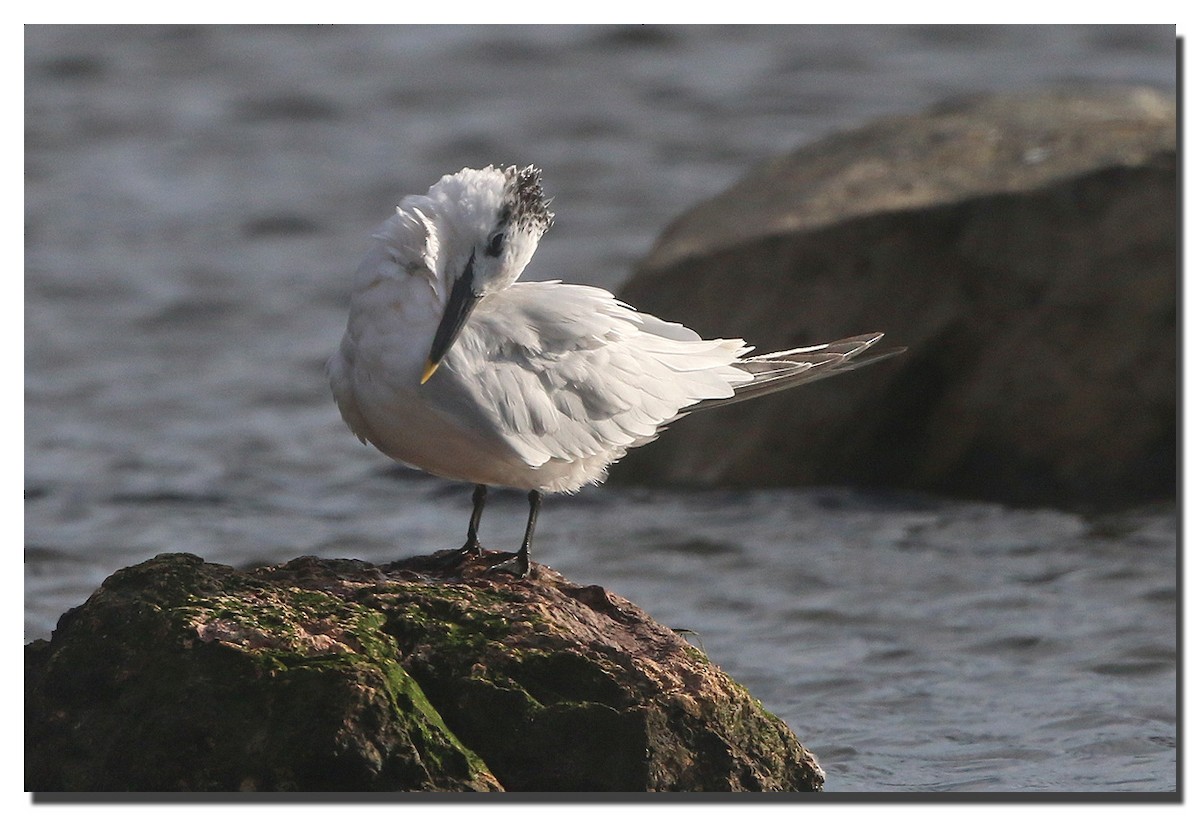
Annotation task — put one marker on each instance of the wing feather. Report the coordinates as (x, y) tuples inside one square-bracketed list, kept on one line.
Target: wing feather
[(787, 369), (565, 372)]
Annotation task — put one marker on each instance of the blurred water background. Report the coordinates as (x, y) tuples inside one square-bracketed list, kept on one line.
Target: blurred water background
[(197, 197)]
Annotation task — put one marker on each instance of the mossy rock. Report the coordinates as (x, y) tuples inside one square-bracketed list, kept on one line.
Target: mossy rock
[(180, 675)]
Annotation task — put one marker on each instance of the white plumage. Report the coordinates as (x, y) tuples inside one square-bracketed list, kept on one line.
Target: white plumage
[(451, 365)]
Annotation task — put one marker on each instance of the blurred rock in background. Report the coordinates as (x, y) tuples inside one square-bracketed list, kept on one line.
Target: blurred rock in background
[(1024, 248)]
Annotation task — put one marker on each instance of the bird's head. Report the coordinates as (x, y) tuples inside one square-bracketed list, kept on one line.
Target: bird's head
[(489, 225)]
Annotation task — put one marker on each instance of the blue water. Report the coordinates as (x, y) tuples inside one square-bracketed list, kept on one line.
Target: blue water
[(195, 199)]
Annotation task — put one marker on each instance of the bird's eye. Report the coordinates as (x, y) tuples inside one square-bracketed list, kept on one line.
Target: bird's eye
[(495, 244)]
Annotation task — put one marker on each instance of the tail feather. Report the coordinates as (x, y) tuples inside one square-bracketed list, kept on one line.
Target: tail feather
[(781, 370)]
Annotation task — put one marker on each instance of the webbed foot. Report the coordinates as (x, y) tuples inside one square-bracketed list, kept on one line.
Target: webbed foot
[(518, 565)]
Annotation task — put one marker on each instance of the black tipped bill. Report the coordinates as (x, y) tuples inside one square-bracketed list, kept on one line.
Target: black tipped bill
[(463, 300)]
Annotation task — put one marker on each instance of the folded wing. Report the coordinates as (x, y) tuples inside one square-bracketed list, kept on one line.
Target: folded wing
[(568, 372)]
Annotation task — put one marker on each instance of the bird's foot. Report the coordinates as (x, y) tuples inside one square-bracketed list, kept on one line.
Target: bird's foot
[(683, 633), (455, 558), (518, 565)]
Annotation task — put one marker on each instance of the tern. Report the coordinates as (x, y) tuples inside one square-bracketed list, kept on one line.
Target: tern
[(452, 365)]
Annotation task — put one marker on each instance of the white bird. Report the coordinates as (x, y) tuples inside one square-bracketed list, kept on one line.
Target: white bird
[(451, 365)]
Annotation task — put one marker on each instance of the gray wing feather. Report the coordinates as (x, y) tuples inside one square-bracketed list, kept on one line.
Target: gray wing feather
[(781, 370)]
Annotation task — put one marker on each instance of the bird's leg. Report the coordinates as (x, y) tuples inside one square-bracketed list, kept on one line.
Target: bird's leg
[(519, 564), (477, 499), (535, 504)]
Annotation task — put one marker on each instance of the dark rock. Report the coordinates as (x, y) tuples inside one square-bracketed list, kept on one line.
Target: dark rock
[(1023, 247), (180, 675)]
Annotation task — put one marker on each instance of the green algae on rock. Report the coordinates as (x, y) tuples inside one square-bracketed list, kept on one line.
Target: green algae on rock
[(335, 675)]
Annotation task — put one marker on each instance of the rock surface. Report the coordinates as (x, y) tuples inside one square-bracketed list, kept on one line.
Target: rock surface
[(1023, 247), (181, 675)]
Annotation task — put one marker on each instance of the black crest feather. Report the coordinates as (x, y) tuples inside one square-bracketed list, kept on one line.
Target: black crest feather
[(525, 202)]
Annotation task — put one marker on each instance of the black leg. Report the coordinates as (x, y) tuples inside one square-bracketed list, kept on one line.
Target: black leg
[(535, 504), (477, 500), (519, 564)]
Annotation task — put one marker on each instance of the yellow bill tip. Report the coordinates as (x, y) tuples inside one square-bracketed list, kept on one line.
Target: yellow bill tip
[(430, 367)]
